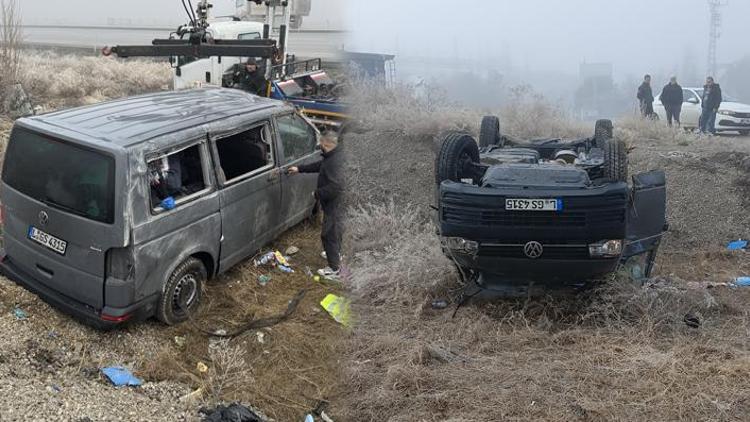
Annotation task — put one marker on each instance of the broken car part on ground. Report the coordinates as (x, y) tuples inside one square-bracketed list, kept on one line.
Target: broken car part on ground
[(517, 216)]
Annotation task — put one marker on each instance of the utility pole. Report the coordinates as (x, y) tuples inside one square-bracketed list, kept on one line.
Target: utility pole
[(714, 33)]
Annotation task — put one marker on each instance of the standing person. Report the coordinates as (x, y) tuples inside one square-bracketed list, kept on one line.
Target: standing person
[(671, 98), (710, 106), (646, 97), (330, 194), (247, 77)]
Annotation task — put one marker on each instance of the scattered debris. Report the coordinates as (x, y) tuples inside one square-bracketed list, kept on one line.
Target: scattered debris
[(179, 341), (338, 308), (316, 278), (197, 394), (20, 314), (267, 258), (742, 281), (201, 367), (235, 412), (308, 271), (439, 304), (261, 336), (309, 418), (120, 376), (264, 279), (737, 245), (692, 320), (285, 269), (262, 322), (292, 250)]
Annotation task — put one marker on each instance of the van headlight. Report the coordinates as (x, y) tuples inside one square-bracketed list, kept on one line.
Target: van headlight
[(606, 249), (459, 244), (727, 112)]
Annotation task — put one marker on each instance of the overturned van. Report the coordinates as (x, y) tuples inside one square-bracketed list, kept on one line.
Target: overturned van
[(122, 210)]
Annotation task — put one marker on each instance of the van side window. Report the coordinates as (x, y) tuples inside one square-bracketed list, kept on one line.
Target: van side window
[(177, 175), (298, 138), (244, 152)]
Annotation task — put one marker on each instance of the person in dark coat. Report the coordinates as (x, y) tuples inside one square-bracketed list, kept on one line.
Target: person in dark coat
[(646, 97), (671, 98), (247, 77), (329, 193), (710, 103)]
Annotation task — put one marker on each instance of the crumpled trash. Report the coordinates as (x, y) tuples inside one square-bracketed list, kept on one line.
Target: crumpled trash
[(20, 314), (291, 250), (281, 259), (201, 367), (338, 307), (439, 304), (264, 279), (285, 269), (261, 336), (742, 281), (309, 418), (235, 412), (120, 376), (691, 320), (737, 245), (179, 341), (267, 258)]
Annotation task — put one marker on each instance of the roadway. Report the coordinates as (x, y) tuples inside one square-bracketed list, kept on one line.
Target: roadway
[(303, 43)]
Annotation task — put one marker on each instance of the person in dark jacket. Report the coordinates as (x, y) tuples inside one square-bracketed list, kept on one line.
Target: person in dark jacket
[(646, 97), (710, 103), (330, 195), (671, 98), (247, 77)]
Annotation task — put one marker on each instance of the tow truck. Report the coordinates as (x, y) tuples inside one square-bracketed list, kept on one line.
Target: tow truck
[(205, 49)]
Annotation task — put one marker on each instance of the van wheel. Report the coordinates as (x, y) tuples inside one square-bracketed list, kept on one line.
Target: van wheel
[(615, 161), (603, 131), (457, 150), (182, 293), (489, 131)]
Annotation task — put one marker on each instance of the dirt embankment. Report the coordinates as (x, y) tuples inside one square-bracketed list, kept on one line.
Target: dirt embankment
[(618, 353)]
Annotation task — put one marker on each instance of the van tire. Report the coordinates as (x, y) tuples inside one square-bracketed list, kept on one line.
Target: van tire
[(455, 149), (615, 161), (183, 289), (489, 131), (603, 131)]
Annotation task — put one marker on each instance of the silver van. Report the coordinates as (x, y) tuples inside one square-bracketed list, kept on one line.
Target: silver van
[(121, 211)]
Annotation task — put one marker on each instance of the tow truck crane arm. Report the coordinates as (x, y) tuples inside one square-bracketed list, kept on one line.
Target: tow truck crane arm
[(197, 48)]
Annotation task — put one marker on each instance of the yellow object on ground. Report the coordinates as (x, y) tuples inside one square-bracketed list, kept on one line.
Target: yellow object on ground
[(338, 308), (280, 259), (202, 368)]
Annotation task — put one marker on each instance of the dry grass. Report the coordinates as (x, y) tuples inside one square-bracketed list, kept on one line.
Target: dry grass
[(636, 130), (54, 81), (620, 352), (291, 370)]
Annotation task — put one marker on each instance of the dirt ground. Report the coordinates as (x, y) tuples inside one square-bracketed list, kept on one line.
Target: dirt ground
[(49, 363), (619, 352)]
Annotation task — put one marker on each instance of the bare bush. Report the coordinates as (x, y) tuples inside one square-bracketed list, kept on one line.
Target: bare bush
[(10, 53), (529, 115), (635, 130), (227, 374), (56, 81)]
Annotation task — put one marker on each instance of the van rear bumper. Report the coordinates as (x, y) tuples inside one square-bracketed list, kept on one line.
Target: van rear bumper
[(103, 319)]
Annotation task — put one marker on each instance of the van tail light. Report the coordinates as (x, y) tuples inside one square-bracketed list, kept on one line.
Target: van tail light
[(112, 318)]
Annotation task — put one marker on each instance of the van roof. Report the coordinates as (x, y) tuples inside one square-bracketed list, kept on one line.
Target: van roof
[(132, 120)]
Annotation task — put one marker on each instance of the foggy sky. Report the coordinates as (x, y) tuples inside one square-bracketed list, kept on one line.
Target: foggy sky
[(637, 36), (325, 14)]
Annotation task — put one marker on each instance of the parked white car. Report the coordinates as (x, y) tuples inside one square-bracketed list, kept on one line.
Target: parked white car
[(733, 115)]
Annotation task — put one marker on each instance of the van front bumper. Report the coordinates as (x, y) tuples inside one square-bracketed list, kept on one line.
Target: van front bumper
[(106, 318)]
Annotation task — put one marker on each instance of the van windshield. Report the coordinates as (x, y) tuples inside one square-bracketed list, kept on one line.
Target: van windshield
[(60, 174)]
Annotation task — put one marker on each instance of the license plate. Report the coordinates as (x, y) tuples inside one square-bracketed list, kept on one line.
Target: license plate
[(47, 240), (533, 204)]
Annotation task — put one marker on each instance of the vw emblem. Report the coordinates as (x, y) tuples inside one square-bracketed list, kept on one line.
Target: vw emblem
[(533, 249), (43, 218)]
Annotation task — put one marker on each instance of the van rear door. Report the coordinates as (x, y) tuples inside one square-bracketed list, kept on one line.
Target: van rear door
[(60, 212)]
